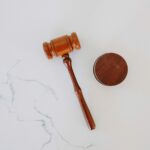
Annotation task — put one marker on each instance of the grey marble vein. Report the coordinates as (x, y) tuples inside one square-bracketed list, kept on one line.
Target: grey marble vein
[(59, 134), (46, 121), (47, 87)]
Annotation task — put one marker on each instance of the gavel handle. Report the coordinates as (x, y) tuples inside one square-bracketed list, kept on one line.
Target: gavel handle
[(78, 91)]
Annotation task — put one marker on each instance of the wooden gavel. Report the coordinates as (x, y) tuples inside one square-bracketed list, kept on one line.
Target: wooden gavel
[(62, 46)]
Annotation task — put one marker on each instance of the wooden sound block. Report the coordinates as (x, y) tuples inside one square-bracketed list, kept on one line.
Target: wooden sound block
[(110, 69)]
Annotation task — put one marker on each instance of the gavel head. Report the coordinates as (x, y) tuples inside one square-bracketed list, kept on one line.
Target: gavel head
[(61, 45)]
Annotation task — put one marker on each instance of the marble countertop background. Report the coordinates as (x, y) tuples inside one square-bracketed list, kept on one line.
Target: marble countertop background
[(38, 107)]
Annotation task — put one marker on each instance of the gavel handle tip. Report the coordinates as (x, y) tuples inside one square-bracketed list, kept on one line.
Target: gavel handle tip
[(85, 109)]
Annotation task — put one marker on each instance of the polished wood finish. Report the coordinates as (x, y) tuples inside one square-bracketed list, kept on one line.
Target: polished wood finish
[(78, 91), (61, 46), (110, 69)]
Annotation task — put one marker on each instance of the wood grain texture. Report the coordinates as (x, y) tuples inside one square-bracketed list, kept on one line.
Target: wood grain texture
[(110, 69)]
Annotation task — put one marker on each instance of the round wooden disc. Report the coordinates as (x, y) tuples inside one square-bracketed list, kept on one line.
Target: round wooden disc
[(110, 69)]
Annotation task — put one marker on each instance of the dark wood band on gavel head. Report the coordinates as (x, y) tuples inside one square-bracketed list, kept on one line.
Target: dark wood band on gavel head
[(61, 45)]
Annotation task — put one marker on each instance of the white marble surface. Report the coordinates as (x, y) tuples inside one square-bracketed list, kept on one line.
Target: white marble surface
[(38, 107)]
